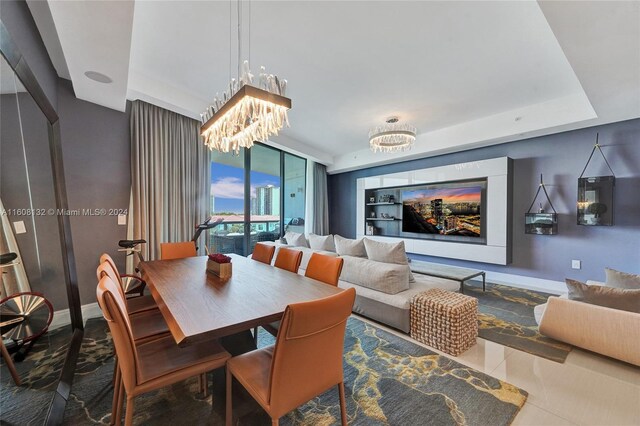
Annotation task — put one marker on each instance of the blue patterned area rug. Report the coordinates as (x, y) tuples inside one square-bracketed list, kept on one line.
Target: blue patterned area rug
[(505, 316), (388, 381)]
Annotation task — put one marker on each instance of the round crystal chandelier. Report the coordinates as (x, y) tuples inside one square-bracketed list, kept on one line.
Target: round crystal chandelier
[(392, 137)]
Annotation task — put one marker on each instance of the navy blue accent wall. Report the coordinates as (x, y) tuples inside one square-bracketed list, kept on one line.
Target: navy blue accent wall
[(560, 157)]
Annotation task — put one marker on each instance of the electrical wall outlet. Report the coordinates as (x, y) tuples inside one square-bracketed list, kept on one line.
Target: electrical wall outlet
[(19, 227), (122, 219), (576, 264)]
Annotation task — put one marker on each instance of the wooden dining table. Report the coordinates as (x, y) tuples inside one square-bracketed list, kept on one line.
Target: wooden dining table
[(198, 305)]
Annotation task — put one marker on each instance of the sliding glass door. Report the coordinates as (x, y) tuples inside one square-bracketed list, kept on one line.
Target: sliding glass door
[(257, 194), (265, 195)]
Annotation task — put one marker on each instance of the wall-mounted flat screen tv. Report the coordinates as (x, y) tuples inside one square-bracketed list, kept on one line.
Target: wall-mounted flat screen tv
[(446, 210)]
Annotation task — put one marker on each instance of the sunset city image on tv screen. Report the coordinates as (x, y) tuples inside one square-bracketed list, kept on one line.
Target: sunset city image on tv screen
[(444, 209)]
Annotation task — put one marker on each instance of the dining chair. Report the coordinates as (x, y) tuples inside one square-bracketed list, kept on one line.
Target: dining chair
[(146, 325), (136, 304), (324, 268), (152, 365), (263, 253), (139, 285), (288, 259), (177, 250), (305, 362)]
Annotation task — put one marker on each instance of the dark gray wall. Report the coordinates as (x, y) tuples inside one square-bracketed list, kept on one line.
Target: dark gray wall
[(16, 17), (561, 158), (96, 149)]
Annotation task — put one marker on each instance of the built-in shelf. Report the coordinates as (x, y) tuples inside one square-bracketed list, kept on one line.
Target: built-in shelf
[(382, 218), (381, 204)]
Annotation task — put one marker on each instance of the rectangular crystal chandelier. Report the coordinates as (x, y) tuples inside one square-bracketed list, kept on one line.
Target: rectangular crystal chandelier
[(250, 115)]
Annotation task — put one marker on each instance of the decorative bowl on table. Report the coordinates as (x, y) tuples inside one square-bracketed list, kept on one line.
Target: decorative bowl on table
[(219, 264)]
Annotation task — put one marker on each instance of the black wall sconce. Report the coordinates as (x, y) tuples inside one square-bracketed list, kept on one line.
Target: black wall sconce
[(541, 223), (595, 195)]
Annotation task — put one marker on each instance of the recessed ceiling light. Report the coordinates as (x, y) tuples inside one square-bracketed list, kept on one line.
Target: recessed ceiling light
[(98, 76)]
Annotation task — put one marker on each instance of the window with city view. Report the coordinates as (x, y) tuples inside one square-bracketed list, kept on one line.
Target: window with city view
[(257, 209)]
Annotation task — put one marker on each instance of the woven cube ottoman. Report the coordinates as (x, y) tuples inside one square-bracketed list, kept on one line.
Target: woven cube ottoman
[(445, 320)]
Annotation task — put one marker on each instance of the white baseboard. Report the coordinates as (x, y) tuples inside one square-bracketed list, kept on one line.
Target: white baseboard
[(530, 283), (62, 317)]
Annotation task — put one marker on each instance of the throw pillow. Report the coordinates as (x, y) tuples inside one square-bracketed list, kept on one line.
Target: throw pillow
[(387, 253), (615, 298), (349, 247), (295, 239), (387, 278), (322, 242), (619, 279)]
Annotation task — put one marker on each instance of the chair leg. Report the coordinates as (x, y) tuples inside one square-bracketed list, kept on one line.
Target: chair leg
[(115, 370), (228, 408), (9, 362), (205, 385), (343, 404), (117, 379), (255, 336), (119, 402), (128, 420), (275, 422)]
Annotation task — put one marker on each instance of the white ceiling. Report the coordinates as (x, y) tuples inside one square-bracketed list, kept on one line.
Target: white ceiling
[(466, 74)]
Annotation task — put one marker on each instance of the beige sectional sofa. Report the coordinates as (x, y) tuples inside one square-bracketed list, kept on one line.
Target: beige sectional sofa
[(389, 309)]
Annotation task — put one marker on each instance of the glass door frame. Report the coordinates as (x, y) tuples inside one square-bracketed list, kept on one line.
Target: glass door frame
[(246, 243)]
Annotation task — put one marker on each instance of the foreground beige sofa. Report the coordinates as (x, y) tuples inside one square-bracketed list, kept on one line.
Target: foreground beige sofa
[(607, 331)]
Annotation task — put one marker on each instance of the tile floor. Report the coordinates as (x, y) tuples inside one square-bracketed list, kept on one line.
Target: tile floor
[(588, 389)]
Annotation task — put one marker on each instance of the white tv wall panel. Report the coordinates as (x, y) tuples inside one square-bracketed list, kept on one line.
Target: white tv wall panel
[(497, 249)]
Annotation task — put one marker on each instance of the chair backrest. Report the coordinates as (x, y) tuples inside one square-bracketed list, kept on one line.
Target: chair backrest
[(106, 269), (263, 253), (177, 250), (324, 268), (307, 358), (288, 259), (104, 257), (114, 311)]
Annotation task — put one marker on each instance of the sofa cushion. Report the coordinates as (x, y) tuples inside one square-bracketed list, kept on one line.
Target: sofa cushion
[(384, 277), (295, 239), (322, 242), (349, 247), (619, 279), (387, 253), (615, 298)]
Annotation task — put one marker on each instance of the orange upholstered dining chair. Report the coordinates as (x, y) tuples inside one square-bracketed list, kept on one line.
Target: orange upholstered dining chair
[(138, 286), (135, 304), (324, 268), (177, 250), (288, 259), (305, 362), (151, 365), (263, 253)]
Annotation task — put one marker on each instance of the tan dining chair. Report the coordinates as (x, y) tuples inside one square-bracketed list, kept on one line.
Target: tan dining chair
[(263, 253), (151, 365), (177, 250), (134, 304), (324, 268), (137, 288), (288, 259), (305, 362)]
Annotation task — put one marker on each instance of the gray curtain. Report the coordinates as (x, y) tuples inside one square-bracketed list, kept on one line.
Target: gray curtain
[(170, 173), (320, 200)]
